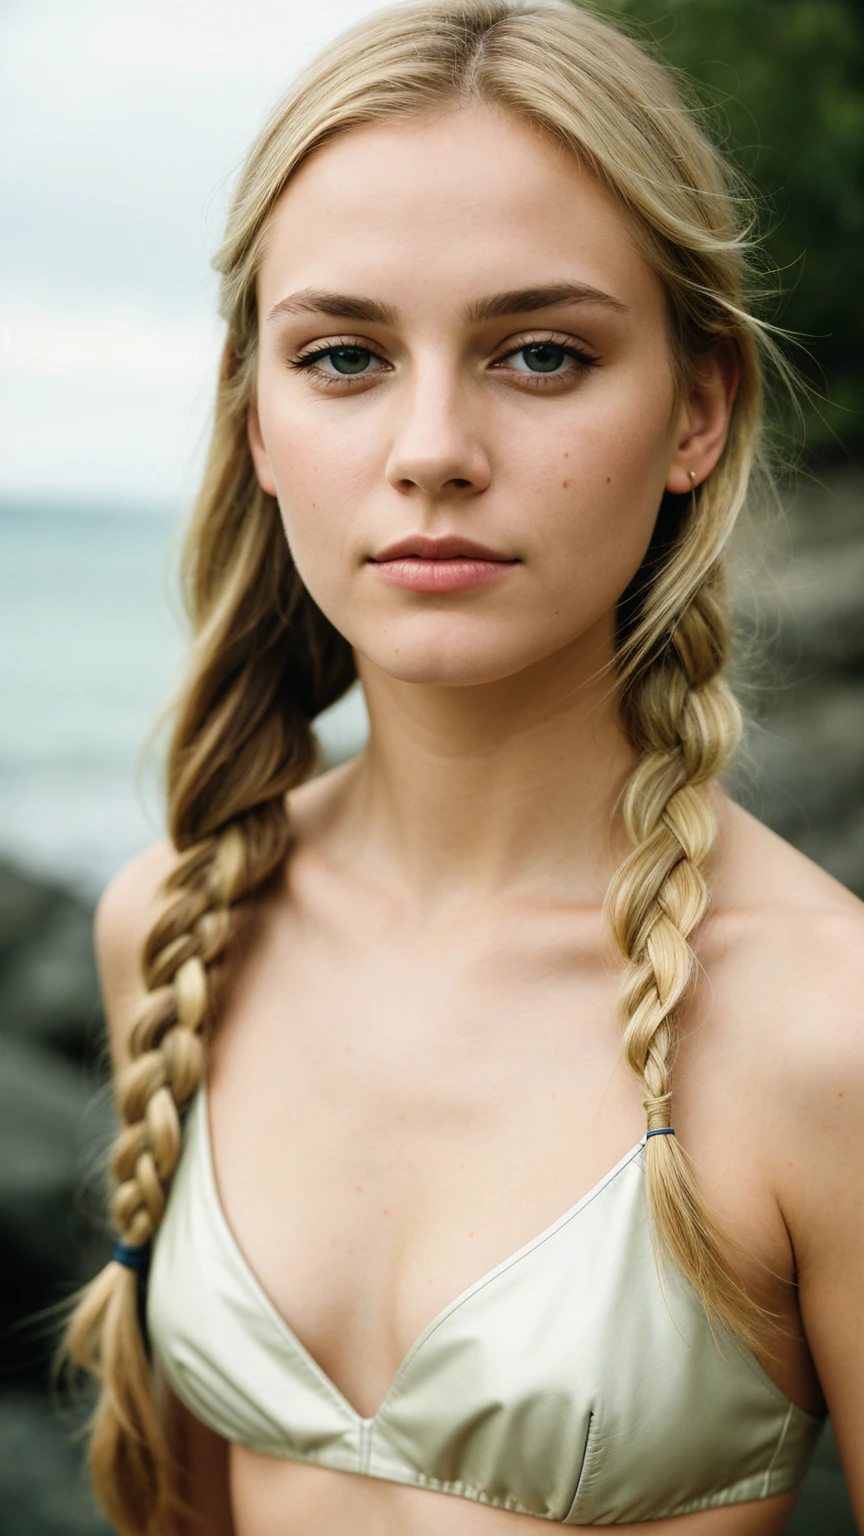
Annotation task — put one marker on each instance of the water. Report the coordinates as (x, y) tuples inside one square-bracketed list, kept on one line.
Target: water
[(91, 643)]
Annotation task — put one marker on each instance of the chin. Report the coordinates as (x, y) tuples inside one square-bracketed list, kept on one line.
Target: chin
[(464, 675), (459, 662)]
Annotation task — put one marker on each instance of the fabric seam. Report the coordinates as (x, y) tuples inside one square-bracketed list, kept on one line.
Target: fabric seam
[(777, 1449)]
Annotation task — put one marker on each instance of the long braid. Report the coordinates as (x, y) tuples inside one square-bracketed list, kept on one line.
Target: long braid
[(129, 1456), (167, 1050), (265, 661), (684, 722), (167, 1045)]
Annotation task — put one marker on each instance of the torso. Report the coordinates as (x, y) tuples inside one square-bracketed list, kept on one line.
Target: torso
[(419, 1100)]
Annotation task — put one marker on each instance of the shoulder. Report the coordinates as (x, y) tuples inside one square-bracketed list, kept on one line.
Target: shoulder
[(123, 915), (796, 933), (792, 939), (800, 938)]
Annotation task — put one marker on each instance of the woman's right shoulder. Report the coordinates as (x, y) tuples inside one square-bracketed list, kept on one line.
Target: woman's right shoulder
[(123, 916)]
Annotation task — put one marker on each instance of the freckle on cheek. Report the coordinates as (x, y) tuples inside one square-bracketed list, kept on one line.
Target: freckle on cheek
[(564, 484)]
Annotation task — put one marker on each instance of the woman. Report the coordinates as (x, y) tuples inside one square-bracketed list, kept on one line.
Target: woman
[(488, 407)]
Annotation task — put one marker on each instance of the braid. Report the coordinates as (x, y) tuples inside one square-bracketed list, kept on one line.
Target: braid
[(683, 720), (165, 1041), (129, 1455), (264, 663)]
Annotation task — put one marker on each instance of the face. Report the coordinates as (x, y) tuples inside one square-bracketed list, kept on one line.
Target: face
[(465, 402)]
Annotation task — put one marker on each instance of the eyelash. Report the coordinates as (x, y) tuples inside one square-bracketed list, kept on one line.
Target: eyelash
[(308, 360)]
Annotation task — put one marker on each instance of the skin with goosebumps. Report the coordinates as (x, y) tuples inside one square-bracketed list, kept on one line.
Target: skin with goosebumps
[(460, 341)]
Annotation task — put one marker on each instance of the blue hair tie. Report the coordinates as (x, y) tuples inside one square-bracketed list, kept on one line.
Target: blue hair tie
[(132, 1256), (666, 1131)]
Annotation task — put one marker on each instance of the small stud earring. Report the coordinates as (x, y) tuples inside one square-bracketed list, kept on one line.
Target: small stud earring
[(692, 474)]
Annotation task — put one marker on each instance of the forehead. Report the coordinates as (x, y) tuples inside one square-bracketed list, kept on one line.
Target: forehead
[(445, 206)]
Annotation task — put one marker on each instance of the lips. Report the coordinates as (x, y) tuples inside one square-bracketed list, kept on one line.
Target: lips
[(448, 564), (418, 546)]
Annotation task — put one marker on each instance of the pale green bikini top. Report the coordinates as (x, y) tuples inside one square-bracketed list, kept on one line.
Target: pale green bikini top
[(565, 1383)]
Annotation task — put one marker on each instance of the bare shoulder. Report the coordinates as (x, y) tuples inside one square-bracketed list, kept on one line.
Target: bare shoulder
[(800, 926), (122, 917), (796, 940), (790, 939), (126, 906)]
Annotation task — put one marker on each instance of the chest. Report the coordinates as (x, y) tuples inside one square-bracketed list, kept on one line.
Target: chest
[(395, 1111)]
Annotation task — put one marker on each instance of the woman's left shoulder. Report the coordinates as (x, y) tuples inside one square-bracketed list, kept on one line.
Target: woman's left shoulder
[(799, 936), (792, 940), (798, 933)]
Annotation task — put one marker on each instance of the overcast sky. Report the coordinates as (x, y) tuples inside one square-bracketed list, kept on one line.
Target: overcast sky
[(122, 124)]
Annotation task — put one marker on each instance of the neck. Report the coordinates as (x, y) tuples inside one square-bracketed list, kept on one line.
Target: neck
[(467, 794)]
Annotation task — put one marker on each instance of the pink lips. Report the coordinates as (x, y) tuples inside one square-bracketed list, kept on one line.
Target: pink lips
[(445, 564)]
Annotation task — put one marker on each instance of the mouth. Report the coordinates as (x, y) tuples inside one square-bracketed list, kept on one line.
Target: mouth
[(440, 565), (445, 547)]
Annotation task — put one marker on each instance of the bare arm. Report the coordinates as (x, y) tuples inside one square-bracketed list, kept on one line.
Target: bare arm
[(122, 918), (821, 1190)]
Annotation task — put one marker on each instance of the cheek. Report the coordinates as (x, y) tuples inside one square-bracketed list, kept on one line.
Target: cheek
[(597, 488), (321, 473)]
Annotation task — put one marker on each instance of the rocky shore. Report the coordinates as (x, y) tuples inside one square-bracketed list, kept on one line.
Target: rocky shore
[(798, 582), (800, 616), (55, 1124)]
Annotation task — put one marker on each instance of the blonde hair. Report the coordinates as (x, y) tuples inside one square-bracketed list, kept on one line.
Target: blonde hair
[(265, 661)]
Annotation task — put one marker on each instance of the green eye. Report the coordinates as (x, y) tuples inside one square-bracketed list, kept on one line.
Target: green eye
[(349, 360), (543, 356)]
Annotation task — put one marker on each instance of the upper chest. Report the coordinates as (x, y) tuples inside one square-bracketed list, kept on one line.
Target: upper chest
[(396, 1109)]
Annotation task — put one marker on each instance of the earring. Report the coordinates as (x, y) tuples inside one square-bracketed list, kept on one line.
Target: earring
[(692, 474)]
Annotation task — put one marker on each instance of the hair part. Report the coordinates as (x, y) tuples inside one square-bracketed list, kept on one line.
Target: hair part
[(265, 660)]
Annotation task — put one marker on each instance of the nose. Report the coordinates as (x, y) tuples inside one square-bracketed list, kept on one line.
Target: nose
[(437, 448)]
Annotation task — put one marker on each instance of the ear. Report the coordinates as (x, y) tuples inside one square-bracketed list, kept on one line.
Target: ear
[(703, 418), (259, 453)]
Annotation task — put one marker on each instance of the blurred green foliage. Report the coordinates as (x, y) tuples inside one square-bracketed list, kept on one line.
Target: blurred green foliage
[(784, 84)]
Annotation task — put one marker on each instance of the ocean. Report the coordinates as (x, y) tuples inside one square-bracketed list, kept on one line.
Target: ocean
[(91, 644)]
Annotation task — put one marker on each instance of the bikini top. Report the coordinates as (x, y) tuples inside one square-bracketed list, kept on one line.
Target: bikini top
[(566, 1383)]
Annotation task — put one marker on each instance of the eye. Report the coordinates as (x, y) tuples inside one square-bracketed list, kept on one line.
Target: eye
[(542, 356), (350, 360), (345, 361), (547, 357)]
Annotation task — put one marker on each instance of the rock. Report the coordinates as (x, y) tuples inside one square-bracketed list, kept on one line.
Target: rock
[(798, 614), (44, 1489), (49, 988), (814, 607), (802, 767), (25, 901), (820, 511), (53, 1131)]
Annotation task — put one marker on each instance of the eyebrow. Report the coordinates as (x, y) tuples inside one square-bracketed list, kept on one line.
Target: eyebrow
[(517, 301)]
